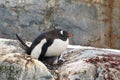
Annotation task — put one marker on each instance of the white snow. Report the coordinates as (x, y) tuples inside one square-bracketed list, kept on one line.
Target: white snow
[(89, 47), (87, 52)]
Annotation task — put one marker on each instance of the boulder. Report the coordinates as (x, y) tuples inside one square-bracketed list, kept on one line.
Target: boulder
[(89, 63), (16, 65)]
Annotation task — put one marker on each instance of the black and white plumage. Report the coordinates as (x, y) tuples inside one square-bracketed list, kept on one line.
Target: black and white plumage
[(48, 44)]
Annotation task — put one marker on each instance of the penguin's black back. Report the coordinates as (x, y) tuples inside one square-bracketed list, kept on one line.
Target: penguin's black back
[(36, 42)]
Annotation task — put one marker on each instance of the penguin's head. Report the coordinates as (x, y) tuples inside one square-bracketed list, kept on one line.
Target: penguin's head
[(58, 34), (62, 34)]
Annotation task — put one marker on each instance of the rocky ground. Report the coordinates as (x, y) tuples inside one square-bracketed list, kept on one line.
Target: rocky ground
[(89, 63), (80, 63)]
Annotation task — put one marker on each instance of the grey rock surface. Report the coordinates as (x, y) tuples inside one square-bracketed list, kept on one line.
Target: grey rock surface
[(94, 22), (15, 65)]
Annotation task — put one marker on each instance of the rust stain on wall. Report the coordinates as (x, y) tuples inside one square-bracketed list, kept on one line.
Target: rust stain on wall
[(109, 29), (111, 35)]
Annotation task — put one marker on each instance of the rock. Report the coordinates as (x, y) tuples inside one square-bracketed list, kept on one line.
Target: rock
[(16, 65), (89, 63), (93, 23), (80, 63)]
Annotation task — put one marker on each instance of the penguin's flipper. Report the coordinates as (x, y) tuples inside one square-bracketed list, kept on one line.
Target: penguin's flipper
[(44, 49), (22, 42)]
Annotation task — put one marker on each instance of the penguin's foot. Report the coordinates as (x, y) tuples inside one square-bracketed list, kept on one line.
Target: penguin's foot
[(51, 66), (60, 62), (51, 62)]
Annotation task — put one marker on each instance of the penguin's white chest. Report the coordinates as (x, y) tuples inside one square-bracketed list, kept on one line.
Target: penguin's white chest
[(37, 50), (57, 47)]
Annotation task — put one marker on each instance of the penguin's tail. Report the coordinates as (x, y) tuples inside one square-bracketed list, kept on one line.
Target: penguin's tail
[(22, 42)]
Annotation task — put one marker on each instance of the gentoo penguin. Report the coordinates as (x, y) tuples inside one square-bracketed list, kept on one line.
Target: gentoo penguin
[(48, 44)]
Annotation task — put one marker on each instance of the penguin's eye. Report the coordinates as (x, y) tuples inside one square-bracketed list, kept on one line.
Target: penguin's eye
[(61, 32)]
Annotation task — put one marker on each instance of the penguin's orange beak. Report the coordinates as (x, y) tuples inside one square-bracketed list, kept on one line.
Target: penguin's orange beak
[(70, 35)]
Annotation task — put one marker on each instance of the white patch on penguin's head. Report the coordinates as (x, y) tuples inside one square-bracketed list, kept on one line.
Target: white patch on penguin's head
[(61, 32)]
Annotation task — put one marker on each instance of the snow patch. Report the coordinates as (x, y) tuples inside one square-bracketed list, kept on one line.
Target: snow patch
[(89, 47)]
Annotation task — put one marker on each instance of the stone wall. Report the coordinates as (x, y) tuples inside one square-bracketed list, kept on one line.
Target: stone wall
[(93, 22)]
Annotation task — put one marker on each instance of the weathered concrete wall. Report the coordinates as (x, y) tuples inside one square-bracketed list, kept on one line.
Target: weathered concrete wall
[(93, 22)]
